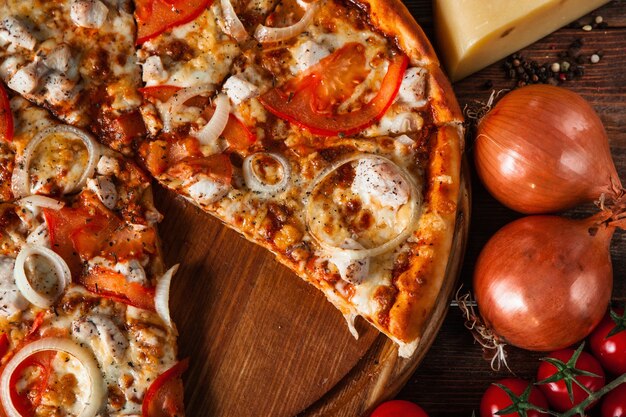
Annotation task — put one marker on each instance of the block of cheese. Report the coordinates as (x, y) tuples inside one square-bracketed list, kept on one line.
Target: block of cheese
[(473, 34)]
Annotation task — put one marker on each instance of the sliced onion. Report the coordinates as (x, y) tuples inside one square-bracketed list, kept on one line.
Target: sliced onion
[(97, 390), (232, 24), (177, 101), (211, 132), (40, 236), (265, 34), (354, 254), (40, 201), (162, 295), (20, 181), (21, 280), (255, 183)]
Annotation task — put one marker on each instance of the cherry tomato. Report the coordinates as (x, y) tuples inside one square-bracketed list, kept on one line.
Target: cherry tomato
[(6, 117), (399, 408), (156, 16), (164, 398), (614, 403), (610, 351), (310, 100), (496, 399), (556, 392)]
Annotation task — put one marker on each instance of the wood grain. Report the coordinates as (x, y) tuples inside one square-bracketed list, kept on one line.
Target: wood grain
[(451, 379)]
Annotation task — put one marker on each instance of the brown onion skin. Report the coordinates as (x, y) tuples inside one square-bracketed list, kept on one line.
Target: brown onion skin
[(544, 282), (543, 149)]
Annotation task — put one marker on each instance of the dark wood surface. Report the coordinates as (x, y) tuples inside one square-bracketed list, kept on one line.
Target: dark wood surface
[(454, 374)]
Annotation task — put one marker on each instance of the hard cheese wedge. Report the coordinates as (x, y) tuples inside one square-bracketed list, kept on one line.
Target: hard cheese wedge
[(475, 33)]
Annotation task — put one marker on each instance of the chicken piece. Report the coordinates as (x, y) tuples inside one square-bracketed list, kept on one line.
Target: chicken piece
[(88, 13), (104, 189), (208, 191), (103, 335), (59, 58), (378, 181), (59, 89), (354, 271), (413, 88), (26, 79), (16, 33), (400, 123), (133, 271), (239, 90), (153, 71)]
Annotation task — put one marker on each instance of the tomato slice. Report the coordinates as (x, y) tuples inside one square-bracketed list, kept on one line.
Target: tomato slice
[(27, 399), (156, 16), (113, 285), (163, 93), (216, 166), (164, 397), (4, 345), (307, 100), (6, 117)]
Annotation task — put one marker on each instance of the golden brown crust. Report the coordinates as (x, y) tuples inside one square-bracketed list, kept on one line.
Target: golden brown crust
[(419, 285), (394, 20), (445, 108)]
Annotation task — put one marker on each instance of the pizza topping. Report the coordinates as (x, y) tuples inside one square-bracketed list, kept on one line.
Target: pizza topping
[(104, 188), (311, 100), (88, 13), (207, 190), (102, 335), (46, 281), (351, 270), (177, 101), (232, 25), (239, 90), (413, 88), (40, 236), (11, 398), (58, 58), (210, 133), (153, 71), (6, 116), (162, 295), (332, 216), (308, 54), (164, 397), (20, 181), (34, 202), (156, 16), (13, 31), (133, 271), (59, 89), (111, 284), (404, 122), (26, 79), (11, 299), (266, 173), (108, 165), (377, 180), (265, 34)]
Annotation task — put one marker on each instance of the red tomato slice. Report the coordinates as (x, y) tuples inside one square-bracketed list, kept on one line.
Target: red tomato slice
[(156, 16), (28, 399), (216, 166), (306, 101), (164, 398), (237, 135), (4, 345), (163, 93), (6, 117), (113, 285)]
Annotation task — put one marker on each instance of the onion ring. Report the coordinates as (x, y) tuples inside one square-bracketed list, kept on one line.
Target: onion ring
[(20, 181), (265, 34), (256, 184), (177, 101), (414, 201), (210, 132), (162, 295), (232, 24), (97, 390), (21, 280)]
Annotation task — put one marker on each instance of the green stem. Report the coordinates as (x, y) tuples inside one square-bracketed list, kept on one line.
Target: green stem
[(580, 408)]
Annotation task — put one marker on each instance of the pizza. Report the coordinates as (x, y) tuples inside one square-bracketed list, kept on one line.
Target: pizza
[(323, 131)]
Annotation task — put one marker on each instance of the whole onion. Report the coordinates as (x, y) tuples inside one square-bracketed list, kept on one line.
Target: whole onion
[(543, 149), (544, 282)]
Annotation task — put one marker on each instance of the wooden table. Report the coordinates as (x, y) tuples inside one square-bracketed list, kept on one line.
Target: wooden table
[(454, 374)]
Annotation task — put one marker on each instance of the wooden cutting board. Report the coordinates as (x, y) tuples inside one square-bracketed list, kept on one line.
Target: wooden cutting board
[(262, 342)]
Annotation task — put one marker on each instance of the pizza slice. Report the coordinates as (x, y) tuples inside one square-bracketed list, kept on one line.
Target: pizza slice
[(77, 59), (334, 141), (84, 324)]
